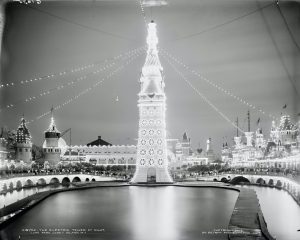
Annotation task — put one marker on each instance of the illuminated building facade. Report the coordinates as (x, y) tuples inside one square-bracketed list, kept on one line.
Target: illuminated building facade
[(281, 150)]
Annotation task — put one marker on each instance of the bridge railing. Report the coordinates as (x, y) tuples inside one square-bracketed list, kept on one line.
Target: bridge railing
[(271, 174), (8, 176)]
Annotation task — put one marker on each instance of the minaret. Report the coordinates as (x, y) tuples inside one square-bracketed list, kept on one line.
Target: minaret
[(249, 134), (23, 143), (51, 149), (186, 145), (152, 163)]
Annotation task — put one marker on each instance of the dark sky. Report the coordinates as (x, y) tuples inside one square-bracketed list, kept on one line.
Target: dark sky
[(250, 53)]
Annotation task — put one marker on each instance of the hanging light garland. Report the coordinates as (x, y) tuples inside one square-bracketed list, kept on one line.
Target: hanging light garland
[(142, 10), (65, 72), (71, 83), (85, 91), (203, 96), (239, 99)]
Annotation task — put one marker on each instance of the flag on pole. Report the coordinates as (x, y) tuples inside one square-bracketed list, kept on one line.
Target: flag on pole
[(284, 106), (258, 121)]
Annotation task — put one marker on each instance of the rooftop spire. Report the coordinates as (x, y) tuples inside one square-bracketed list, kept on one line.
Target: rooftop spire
[(52, 126), (152, 82)]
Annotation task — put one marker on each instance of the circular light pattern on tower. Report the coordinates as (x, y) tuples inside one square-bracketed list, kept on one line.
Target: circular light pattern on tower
[(151, 141), (159, 141), (142, 161), (143, 142), (151, 151), (151, 122), (144, 122), (144, 132), (160, 161), (143, 152), (160, 152), (151, 132), (158, 132), (151, 161), (158, 122)]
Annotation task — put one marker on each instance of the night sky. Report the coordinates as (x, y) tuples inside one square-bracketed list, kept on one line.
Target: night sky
[(253, 54)]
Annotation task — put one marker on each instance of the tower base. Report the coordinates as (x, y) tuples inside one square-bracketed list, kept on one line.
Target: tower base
[(151, 175)]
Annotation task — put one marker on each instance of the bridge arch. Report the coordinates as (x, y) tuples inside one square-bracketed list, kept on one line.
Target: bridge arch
[(11, 186), (239, 180), (65, 181), (271, 182), (224, 179), (40, 182), (260, 181), (87, 179), (19, 184), (93, 180), (279, 183), (54, 181), (76, 179), (4, 188), (28, 183)]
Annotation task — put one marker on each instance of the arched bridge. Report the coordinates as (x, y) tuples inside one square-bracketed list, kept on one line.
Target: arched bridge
[(39, 180), (292, 186)]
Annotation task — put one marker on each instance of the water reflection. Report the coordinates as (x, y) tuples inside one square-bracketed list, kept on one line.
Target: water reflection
[(153, 212), (281, 212), (138, 213), (13, 196)]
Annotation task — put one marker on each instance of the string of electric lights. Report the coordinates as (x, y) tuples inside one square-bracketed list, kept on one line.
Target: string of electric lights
[(85, 91), (143, 11), (46, 77), (287, 25), (224, 23), (202, 95), (65, 72), (221, 89), (70, 83)]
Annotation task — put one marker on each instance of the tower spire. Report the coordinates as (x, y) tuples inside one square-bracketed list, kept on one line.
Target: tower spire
[(52, 126), (248, 115), (151, 80), (52, 109)]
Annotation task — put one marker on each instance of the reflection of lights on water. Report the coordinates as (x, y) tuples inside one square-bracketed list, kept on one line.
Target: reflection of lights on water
[(153, 203)]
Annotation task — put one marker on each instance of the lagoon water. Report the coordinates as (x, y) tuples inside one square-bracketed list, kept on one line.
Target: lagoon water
[(281, 212), (146, 213), (137, 213)]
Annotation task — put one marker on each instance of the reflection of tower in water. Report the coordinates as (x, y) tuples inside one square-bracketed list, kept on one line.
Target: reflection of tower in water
[(152, 163)]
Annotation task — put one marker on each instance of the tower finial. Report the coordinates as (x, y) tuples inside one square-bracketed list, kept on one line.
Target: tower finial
[(52, 109)]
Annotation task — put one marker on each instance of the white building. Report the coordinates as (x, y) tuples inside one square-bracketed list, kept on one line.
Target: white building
[(278, 151)]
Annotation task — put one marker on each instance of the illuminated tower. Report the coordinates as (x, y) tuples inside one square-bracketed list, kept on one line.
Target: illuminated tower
[(152, 163), (23, 143), (51, 147)]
